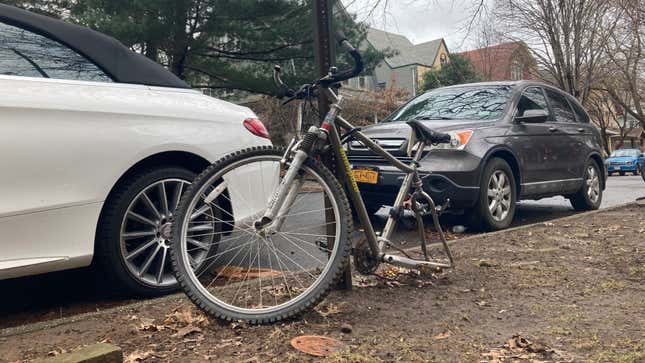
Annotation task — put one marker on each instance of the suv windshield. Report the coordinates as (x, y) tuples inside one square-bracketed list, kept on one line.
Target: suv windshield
[(625, 153), (463, 103)]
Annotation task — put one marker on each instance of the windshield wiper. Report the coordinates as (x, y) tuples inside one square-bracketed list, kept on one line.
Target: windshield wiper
[(426, 118)]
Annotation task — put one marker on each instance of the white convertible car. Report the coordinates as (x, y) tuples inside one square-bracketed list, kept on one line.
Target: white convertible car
[(97, 144)]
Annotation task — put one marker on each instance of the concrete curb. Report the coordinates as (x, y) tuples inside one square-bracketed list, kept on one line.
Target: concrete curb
[(4, 333), (96, 353)]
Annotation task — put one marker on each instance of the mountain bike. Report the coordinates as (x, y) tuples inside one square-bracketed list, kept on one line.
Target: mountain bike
[(276, 223)]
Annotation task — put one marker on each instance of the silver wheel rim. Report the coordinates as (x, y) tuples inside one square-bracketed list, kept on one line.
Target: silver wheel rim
[(145, 233), (270, 243), (593, 184), (499, 195)]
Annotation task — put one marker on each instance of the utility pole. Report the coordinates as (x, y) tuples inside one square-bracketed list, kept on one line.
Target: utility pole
[(325, 58)]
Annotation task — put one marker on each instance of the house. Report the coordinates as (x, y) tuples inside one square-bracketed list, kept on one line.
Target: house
[(406, 67), (629, 134), (634, 139), (506, 61)]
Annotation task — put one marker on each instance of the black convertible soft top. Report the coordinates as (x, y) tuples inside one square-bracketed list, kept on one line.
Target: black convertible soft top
[(119, 62)]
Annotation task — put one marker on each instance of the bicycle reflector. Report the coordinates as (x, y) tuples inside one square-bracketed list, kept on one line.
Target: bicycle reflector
[(256, 127)]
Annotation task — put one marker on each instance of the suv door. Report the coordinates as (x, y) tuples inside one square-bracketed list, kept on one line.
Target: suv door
[(537, 146), (573, 150)]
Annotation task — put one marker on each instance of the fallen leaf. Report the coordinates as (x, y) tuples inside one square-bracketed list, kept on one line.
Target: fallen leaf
[(138, 356), (442, 336), (187, 330)]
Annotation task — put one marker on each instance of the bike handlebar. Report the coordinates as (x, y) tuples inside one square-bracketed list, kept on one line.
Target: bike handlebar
[(327, 81), (348, 73)]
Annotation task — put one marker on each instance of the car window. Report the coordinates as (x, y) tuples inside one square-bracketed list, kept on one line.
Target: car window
[(26, 54), (463, 103), (625, 153), (581, 115), (561, 108), (532, 99)]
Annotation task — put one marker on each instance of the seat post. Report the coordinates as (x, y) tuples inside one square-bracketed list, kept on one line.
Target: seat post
[(419, 146)]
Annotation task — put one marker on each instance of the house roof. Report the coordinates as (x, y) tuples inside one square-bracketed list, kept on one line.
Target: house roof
[(119, 62), (407, 52), (494, 62)]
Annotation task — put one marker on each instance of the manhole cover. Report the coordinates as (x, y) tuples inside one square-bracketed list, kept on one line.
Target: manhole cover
[(317, 346)]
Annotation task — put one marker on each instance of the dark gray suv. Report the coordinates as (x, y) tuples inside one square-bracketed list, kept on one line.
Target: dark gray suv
[(510, 141)]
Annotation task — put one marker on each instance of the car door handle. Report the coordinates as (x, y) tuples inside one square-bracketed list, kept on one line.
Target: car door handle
[(581, 130), (553, 129)]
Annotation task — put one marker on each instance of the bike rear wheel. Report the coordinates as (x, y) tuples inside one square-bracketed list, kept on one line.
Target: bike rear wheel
[(260, 276)]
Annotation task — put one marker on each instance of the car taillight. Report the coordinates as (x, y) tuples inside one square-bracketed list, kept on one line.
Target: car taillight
[(256, 127)]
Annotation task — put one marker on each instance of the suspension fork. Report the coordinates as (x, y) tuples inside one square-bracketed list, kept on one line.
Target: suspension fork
[(283, 190)]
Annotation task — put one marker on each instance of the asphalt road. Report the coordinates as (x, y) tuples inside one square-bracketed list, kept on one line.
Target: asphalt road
[(620, 190), (68, 293)]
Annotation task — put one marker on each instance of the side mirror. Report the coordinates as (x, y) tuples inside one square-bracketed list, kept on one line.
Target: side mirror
[(533, 117)]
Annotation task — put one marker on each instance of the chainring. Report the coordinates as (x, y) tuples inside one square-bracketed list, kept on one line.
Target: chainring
[(364, 261)]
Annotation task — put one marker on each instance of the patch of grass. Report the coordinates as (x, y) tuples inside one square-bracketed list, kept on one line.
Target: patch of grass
[(559, 331), (536, 308), (636, 271), (587, 343), (635, 356), (351, 357), (569, 317), (613, 285)]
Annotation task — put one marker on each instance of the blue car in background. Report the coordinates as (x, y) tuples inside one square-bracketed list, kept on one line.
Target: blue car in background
[(625, 161)]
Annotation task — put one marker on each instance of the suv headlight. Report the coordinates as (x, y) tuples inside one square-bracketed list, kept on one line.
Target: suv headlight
[(458, 141), (628, 163)]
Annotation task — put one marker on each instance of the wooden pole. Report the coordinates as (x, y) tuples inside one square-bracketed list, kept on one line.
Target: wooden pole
[(325, 58)]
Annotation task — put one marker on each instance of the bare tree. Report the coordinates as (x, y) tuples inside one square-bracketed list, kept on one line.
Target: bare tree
[(602, 110), (565, 36), (626, 54)]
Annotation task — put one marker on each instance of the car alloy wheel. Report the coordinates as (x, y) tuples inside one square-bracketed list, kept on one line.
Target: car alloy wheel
[(499, 195), (593, 184), (146, 230)]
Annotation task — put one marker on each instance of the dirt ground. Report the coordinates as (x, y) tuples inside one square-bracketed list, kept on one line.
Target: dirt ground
[(571, 290)]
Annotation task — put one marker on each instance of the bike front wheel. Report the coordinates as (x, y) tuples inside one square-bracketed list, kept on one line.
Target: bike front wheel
[(266, 275)]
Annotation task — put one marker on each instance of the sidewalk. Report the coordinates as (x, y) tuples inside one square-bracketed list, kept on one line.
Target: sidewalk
[(568, 290)]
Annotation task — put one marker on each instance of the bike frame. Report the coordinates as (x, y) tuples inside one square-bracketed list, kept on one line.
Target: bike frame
[(286, 192), (411, 180)]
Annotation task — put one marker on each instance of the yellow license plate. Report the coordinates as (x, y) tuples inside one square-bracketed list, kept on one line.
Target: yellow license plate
[(367, 176)]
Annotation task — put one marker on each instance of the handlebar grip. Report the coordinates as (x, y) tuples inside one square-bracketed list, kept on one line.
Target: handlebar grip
[(356, 56), (283, 90), (343, 41)]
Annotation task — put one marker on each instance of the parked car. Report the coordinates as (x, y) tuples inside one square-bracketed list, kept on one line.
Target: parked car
[(510, 141), (623, 161), (97, 144)]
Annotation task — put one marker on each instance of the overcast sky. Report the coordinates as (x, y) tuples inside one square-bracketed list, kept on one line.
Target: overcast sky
[(420, 20)]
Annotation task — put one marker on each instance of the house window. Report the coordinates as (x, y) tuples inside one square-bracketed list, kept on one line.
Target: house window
[(361, 82), (516, 71), (443, 59)]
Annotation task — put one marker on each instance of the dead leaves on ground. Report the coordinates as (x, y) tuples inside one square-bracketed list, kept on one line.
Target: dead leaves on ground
[(519, 348), (182, 321), (392, 276)]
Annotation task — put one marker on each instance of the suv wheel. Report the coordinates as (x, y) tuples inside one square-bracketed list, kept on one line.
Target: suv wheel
[(497, 198), (133, 235), (589, 196)]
